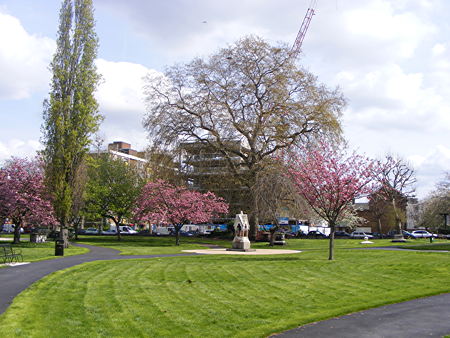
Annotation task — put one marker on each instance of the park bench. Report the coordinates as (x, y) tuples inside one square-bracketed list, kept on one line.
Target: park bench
[(10, 255)]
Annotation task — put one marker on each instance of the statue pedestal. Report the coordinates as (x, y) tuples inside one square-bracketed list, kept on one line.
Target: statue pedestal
[(240, 244), (241, 227)]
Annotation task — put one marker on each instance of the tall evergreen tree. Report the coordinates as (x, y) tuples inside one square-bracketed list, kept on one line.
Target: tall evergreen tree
[(71, 112)]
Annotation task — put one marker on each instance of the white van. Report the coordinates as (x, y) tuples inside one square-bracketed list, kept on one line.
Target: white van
[(124, 229)]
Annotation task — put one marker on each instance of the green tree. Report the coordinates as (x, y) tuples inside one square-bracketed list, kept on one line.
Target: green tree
[(71, 112), (112, 189), (245, 102)]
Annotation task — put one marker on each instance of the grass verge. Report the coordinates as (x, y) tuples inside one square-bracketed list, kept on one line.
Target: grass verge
[(32, 252)]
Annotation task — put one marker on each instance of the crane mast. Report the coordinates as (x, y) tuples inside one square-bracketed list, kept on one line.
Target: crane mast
[(303, 28)]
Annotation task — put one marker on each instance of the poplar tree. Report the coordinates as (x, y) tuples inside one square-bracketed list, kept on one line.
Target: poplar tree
[(71, 112)]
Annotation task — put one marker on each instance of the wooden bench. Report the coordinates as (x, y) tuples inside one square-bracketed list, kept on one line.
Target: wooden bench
[(10, 255)]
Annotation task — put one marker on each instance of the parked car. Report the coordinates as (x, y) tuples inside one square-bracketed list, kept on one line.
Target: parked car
[(301, 234), (91, 231), (377, 235), (186, 233), (360, 235), (316, 234), (109, 232), (408, 235), (422, 234), (341, 234)]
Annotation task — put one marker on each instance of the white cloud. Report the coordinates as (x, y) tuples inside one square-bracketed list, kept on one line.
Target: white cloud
[(430, 168), (390, 98), (18, 148), (121, 88), (378, 23), (438, 49), (24, 59), (121, 100)]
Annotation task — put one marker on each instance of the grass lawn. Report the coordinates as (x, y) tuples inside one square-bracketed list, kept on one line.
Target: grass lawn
[(437, 245), (221, 296), (32, 252)]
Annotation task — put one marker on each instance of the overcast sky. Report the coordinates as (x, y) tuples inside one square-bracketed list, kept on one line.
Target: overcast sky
[(390, 59)]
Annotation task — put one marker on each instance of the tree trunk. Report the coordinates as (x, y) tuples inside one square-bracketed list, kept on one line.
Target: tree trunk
[(17, 232), (272, 236), (331, 248), (254, 220), (177, 236), (398, 221), (62, 233), (119, 236), (379, 226), (76, 227)]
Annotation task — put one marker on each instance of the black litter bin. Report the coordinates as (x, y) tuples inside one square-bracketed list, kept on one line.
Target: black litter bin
[(59, 247)]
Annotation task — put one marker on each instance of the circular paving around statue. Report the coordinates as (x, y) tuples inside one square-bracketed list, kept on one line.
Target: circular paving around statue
[(255, 252)]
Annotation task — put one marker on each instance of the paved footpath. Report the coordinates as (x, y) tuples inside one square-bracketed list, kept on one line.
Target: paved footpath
[(423, 317), (15, 279)]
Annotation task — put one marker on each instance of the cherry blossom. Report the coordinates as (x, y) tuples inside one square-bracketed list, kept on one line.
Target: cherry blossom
[(162, 202), (330, 179), (22, 194)]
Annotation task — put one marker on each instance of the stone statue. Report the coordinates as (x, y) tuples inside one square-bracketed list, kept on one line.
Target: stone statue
[(241, 228)]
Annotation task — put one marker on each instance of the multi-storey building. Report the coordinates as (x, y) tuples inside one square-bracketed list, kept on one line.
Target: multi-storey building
[(206, 169), (122, 150)]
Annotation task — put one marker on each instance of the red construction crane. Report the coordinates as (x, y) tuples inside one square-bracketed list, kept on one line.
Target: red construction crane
[(304, 27)]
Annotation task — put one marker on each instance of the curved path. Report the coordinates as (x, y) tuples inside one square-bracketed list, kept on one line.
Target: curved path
[(423, 317), (15, 279)]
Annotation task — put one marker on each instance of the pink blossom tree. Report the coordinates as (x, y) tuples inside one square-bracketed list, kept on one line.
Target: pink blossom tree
[(330, 179), (22, 194), (162, 202)]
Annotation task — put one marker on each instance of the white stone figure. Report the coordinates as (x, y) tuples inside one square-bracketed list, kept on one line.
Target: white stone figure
[(241, 227)]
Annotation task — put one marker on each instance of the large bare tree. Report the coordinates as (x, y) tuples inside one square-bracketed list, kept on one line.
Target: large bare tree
[(250, 92), (397, 183)]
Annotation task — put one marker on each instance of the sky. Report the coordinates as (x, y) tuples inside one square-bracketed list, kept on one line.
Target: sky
[(391, 60)]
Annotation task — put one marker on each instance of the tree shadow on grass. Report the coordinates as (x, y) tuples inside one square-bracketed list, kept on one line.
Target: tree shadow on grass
[(273, 259), (128, 241)]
